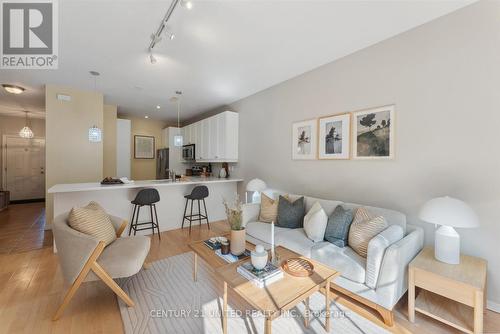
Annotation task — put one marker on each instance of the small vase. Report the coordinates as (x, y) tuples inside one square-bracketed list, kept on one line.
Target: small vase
[(238, 242)]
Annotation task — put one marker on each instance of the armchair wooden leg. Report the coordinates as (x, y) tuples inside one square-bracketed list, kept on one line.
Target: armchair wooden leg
[(97, 269), (79, 279)]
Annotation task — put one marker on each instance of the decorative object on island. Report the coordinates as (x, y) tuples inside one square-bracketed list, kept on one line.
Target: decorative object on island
[(373, 133), (304, 135), (334, 137), (238, 233), (225, 167), (449, 213), (144, 147), (26, 131), (259, 257), (255, 185)]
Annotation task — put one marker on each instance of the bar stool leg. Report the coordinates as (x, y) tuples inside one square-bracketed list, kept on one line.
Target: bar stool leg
[(184, 216), (132, 221), (191, 217), (157, 223), (199, 214), (137, 219), (152, 220), (206, 214)]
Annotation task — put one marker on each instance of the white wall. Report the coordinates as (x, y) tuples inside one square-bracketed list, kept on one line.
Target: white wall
[(444, 78)]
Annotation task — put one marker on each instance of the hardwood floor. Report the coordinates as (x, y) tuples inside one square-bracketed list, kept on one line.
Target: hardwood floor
[(31, 289), (22, 228)]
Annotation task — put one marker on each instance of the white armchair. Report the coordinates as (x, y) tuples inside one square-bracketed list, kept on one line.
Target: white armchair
[(84, 258)]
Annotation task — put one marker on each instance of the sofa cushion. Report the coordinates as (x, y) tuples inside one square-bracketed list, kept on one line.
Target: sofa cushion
[(262, 231), (337, 229), (291, 214), (295, 240), (345, 260), (363, 228), (94, 221), (268, 209), (315, 223), (326, 204)]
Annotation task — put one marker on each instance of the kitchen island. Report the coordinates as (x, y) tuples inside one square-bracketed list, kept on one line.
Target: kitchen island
[(116, 198)]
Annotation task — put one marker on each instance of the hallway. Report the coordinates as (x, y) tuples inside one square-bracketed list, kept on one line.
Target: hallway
[(22, 228)]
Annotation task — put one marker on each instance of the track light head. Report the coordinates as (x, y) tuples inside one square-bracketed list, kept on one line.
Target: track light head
[(152, 58)]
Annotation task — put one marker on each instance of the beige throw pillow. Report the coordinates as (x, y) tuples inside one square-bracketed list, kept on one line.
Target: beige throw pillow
[(363, 228), (268, 208), (94, 221)]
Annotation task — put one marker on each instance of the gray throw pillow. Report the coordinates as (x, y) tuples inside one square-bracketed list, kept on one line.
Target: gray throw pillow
[(291, 214), (337, 228)]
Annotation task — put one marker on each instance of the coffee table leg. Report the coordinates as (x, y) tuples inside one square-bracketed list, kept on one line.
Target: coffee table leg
[(327, 306), (195, 267), (268, 326), (224, 310), (307, 314)]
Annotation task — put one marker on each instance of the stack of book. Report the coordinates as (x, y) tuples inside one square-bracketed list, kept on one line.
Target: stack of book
[(232, 258), (260, 278), (212, 243)]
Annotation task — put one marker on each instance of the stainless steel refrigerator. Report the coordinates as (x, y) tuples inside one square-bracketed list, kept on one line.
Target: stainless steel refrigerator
[(162, 164)]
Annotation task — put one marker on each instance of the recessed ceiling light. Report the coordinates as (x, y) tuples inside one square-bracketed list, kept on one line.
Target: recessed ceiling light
[(13, 89), (146, 116), (187, 4), (94, 73), (158, 107)]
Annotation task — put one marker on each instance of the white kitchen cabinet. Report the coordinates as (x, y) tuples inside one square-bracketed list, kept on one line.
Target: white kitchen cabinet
[(215, 138)]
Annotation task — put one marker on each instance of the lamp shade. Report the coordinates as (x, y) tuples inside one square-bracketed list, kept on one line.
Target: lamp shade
[(449, 211), (256, 185)]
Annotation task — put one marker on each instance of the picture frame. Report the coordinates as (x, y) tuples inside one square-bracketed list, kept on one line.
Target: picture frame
[(373, 133), (304, 140), (334, 137), (144, 147)]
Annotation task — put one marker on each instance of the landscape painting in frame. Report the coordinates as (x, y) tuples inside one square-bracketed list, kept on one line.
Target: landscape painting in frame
[(373, 133), (304, 140), (334, 137)]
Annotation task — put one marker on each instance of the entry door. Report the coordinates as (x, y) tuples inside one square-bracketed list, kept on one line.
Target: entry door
[(25, 168)]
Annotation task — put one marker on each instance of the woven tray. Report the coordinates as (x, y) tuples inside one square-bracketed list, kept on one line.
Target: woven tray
[(298, 267)]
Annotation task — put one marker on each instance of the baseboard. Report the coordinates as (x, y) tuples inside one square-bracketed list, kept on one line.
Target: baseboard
[(493, 306), (23, 201)]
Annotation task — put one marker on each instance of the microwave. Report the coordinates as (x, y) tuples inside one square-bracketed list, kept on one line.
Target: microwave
[(188, 152)]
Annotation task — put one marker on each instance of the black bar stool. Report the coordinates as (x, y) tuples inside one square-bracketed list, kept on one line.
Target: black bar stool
[(199, 193), (145, 197)]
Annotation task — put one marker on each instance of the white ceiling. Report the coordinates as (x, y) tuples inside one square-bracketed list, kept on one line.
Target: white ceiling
[(223, 50)]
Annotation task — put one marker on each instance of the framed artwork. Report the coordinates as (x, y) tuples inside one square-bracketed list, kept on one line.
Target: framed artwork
[(373, 133), (334, 140), (144, 147), (304, 136)]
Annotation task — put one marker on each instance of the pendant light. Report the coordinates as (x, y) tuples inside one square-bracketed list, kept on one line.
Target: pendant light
[(26, 131), (178, 140)]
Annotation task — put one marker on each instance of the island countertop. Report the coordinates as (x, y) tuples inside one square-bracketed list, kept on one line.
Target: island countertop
[(93, 186)]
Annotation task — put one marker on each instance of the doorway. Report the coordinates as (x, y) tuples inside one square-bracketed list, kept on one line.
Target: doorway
[(24, 167)]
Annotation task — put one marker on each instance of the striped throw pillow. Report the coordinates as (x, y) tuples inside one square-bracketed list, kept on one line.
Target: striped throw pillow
[(363, 228), (94, 221)]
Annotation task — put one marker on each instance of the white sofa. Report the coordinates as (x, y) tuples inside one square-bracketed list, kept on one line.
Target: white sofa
[(378, 281)]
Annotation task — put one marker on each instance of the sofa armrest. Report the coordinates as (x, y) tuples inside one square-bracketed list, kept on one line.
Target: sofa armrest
[(250, 212), (393, 277), (376, 251)]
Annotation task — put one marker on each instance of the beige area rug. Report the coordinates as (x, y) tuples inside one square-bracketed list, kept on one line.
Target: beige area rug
[(168, 301)]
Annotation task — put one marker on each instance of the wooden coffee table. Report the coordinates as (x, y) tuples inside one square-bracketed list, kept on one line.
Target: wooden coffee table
[(213, 260), (280, 296)]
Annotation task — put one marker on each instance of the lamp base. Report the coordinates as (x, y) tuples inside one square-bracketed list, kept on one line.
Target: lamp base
[(447, 245)]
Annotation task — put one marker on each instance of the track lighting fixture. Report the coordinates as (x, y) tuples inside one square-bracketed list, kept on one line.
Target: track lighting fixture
[(152, 58)]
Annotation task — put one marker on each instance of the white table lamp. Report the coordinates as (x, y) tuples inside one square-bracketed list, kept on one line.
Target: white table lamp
[(255, 185), (449, 213)]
